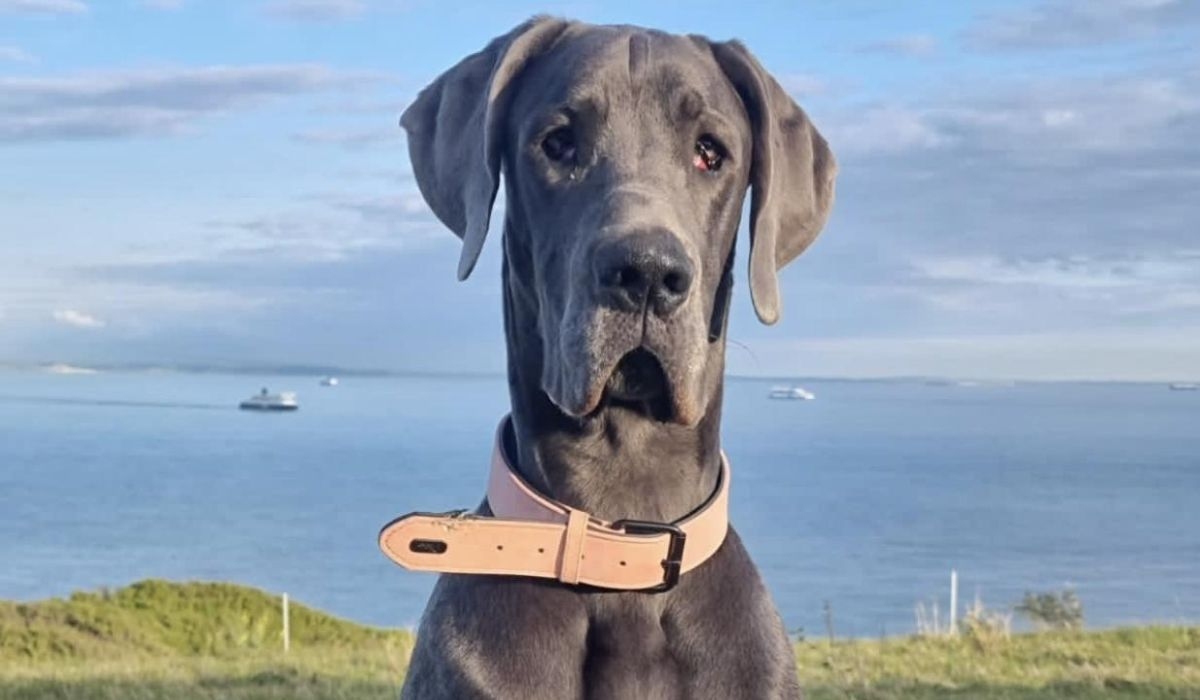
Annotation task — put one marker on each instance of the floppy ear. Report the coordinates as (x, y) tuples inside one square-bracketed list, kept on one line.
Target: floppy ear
[(791, 175), (454, 129)]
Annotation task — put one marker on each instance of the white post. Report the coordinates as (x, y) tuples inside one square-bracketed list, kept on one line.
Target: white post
[(953, 601), (287, 627)]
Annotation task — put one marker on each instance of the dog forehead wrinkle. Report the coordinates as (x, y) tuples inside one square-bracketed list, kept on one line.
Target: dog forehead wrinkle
[(690, 105), (639, 59)]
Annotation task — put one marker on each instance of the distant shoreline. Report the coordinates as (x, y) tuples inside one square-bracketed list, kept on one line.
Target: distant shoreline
[(302, 370)]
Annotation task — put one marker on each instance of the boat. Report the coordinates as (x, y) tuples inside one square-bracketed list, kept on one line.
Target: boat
[(69, 369), (329, 381), (266, 401), (793, 393), (1184, 386)]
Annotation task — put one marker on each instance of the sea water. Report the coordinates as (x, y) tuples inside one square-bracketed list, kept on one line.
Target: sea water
[(855, 506)]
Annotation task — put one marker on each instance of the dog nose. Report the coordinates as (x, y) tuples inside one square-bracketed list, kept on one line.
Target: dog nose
[(644, 270)]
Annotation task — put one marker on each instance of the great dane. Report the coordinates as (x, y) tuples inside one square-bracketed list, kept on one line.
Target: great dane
[(626, 155)]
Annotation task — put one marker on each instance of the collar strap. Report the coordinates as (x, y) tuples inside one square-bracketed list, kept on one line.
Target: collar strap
[(532, 535)]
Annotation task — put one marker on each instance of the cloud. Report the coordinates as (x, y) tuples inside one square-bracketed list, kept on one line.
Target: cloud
[(336, 264), (43, 7), (1159, 355), (403, 207), (327, 10), (1049, 204), (885, 128), (78, 319), (353, 139), (316, 10), (1053, 24), (1073, 272), (333, 225), (1036, 119), (114, 105), (392, 175), (1034, 207), (803, 85), (916, 45), (1111, 288), (392, 291), (16, 55), (372, 107)]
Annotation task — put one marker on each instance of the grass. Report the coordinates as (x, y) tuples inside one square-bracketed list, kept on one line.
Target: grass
[(157, 641), (1145, 662)]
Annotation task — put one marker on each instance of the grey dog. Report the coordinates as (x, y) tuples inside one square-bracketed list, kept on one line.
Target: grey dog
[(627, 154)]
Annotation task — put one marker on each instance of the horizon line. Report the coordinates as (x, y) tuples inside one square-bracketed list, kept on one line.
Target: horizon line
[(303, 369)]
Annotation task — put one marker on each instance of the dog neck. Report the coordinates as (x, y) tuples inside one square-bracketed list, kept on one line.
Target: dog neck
[(617, 463)]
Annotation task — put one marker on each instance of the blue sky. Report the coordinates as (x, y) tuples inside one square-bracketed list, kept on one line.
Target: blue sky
[(199, 181)]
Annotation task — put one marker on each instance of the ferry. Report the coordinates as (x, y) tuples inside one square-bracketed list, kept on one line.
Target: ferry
[(793, 393), (266, 401)]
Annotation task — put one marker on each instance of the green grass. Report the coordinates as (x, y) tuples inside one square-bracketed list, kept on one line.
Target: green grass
[(158, 641), (1145, 662)]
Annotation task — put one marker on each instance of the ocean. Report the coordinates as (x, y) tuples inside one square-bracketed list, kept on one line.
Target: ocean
[(859, 503)]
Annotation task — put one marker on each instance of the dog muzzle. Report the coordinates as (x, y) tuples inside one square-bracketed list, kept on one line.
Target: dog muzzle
[(532, 535)]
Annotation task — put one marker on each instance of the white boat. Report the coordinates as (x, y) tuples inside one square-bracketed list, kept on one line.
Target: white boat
[(1184, 386), (329, 381), (265, 401), (68, 369), (793, 393)]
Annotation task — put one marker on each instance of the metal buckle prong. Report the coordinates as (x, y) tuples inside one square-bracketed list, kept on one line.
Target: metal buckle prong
[(673, 563)]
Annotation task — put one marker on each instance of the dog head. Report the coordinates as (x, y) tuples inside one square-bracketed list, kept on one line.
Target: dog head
[(627, 154)]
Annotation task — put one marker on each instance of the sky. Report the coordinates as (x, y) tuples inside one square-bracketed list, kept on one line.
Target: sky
[(219, 182)]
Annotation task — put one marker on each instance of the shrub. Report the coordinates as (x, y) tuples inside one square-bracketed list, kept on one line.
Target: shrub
[(985, 629), (1060, 610)]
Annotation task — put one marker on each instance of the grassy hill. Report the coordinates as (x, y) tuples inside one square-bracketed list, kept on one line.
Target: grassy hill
[(156, 640)]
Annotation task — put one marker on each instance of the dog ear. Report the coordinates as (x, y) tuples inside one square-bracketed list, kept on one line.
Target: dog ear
[(454, 129), (791, 175)]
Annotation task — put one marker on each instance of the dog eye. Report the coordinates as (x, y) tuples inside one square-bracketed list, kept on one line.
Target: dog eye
[(559, 145), (709, 154)]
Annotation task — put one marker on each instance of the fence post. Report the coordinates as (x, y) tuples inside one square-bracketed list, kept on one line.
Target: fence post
[(953, 601), (829, 621), (287, 627)]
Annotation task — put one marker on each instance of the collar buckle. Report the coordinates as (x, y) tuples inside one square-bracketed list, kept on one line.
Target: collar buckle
[(673, 563)]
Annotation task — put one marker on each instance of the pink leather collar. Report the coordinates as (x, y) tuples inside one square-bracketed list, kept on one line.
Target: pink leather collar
[(532, 535)]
